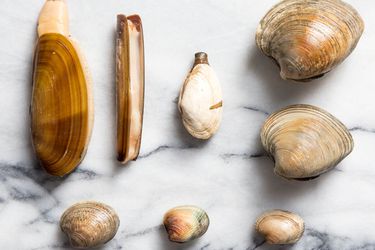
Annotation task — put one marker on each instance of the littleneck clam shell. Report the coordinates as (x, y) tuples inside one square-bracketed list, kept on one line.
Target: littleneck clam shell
[(308, 38), (305, 141), (130, 86), (89, 224), (61, 106), (280, 227), (200, 101), (185, 223)]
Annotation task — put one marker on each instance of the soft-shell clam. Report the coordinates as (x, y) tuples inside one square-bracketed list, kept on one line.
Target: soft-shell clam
[(89, 224), (308, 38), (200, 102), (305, 141), (280, 227), (61, 107), (185, 223), (130, 86)]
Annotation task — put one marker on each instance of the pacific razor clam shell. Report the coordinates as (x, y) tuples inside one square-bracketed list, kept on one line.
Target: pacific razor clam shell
[(130, 86), (200, 101), (308, 38), (61, 106), (280, 227), (305, 141), (89, 224), (185, 223)]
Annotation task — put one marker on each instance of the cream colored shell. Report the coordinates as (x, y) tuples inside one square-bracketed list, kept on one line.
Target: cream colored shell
[(89, 224), (280, 227), (305, 141), (308, 38), (200, 102)]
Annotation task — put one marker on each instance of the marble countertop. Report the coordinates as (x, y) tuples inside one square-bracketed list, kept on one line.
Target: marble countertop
[(229, 176)]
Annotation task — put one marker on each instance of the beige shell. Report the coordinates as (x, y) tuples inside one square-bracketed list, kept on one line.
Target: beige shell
[(280, 227), (185, 223), (200, 101), (89, 224), (308, 38), (305, 141)]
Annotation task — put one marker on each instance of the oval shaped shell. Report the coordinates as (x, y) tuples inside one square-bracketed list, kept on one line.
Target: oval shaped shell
[(305, 141), (308, 38), (89, 224), (280, 227), (200, 101), (61, 109), (185, 223)]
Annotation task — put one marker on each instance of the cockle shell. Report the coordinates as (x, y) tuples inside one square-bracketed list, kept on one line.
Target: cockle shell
[(89, 224), (130, 86), (200, 101), (308, 38), (185, 223), (61, 107), (305, 141), (280, 227)]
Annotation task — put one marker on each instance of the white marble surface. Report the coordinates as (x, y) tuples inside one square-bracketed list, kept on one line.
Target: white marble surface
[(229, 176)]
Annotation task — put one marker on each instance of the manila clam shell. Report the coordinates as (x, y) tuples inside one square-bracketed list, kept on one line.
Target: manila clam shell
[(200, 101), (308, 38), (185, 223), (305, 141), (89, 224), (280, 227)]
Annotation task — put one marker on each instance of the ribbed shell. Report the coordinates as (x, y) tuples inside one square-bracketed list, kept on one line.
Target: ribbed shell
[(61, 112), (308, 38), (185, 223), (305, 141), (89, 224), (280, 227)]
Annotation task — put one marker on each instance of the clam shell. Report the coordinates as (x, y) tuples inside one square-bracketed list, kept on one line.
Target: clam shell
[(305, 141), (280, 227), (89, 224), (130, 86), (200, 101), (185, 223), (308, 38), (61, 108)]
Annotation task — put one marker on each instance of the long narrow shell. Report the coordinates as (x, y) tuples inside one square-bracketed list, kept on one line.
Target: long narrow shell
[(200, 101), (89, 224), (185, 223), (305, 141), (130, 86), (308, 38), (280, 227)]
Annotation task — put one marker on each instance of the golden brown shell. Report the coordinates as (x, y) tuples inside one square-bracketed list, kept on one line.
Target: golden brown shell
[(305, 141), (308, 38), (89, 224)]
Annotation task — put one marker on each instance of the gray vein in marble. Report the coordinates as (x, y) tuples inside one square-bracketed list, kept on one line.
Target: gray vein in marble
[(144, 232), (361, 129), (256, 109)]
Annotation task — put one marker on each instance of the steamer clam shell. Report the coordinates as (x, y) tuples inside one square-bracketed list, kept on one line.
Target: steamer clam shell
[(305, 141), (308, 38)]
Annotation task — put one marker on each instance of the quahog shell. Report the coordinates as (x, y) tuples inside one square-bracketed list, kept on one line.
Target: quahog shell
[(200, 101), (305, 141), (89, 224), (280, 227), (308, 38), (185, 223)]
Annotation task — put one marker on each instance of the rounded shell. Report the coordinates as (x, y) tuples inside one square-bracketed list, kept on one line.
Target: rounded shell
[(305, 141), (89, 224), (185, 223), (308, 38), (280, 227)]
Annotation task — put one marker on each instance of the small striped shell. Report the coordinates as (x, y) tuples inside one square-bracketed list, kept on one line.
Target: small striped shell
[(305, 141), (280, 227), (89, 224), (308, 38), (185, 223)]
